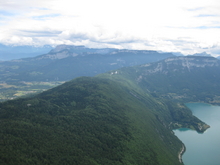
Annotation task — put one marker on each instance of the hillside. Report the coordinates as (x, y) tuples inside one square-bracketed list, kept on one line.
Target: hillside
[(185, 79), (92, 121)]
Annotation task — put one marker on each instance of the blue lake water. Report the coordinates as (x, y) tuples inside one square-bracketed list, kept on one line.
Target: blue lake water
[(202, 149)]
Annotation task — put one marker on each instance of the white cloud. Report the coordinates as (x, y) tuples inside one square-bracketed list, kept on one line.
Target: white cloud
[(188, 26)]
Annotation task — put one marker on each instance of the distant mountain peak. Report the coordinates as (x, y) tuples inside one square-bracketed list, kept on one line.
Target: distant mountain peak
[(62, 47), (134, 51), (181, 63), (204, 54)]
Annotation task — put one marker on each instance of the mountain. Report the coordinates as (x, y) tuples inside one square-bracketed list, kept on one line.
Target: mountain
[(75, 50), (202, 54), (125, 116), (174, 53), (93, 121), (177, 54), (8, 52), (188, 78), (196, 54), (66, 62)]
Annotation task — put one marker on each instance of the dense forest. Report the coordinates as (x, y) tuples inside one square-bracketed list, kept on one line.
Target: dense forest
[(89, 121)]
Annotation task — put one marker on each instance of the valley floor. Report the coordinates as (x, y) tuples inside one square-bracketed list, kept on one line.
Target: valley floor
[(10, 91)]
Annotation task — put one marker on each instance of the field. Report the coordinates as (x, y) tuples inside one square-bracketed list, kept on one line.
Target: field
[(10, 91)]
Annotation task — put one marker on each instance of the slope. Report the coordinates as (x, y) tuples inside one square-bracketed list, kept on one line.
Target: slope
[(182, 79), (88, 121)]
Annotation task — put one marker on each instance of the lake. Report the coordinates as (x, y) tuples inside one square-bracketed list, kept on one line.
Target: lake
[(202, 149)]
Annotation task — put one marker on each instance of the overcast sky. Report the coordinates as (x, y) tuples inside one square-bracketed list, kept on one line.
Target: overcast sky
[(186, 26)]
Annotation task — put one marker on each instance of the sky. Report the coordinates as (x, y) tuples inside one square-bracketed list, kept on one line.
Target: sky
[(185, 26)]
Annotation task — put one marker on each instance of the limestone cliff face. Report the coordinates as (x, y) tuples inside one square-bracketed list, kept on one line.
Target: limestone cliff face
[(63, 51), (60, 55), (134, 51), (182, 64), (190, 62), (66, 47)]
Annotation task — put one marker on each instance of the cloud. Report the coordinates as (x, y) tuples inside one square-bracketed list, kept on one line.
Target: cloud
[(207, 15), (208, 27), (46, 17), (34, 33), (74, 36), (6, 13), (195, 9), (21, 5), (184, 26)]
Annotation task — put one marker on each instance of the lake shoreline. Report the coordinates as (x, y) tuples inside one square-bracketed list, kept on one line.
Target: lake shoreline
[(182, 151), (201, 148)]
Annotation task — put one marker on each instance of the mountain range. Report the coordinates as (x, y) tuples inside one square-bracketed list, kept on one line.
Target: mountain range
[(66, 62), (123, 116), (204, 54)]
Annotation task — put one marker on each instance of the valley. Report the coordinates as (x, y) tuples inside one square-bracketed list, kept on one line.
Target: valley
[(23, 76), (10, 91)]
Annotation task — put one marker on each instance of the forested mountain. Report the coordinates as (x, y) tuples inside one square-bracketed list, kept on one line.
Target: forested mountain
[(189, 78), (92, 121), (66, 62), (124, 116)]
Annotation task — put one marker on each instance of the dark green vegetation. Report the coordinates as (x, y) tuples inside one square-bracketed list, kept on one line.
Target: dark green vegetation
[(89, 121)]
